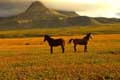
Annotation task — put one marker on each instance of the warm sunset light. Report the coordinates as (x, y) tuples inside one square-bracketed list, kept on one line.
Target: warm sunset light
[(93, 8), (59, 39)]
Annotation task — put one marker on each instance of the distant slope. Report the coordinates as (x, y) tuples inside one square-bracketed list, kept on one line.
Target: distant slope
[(83, 21), (39, 16), (107, 20), (68, 13), (37, 9)]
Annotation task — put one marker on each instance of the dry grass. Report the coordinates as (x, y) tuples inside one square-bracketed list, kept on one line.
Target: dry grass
[(29, 59)]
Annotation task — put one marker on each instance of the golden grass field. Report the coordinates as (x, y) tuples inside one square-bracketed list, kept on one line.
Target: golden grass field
[(19, 61)]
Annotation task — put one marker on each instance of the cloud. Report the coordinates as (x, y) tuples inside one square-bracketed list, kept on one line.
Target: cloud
[(118, 14), (94, 8), (12, 7), (15, 1)]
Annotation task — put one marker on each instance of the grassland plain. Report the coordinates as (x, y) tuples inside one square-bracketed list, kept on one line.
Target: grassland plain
[(33, 61), (68, 31)]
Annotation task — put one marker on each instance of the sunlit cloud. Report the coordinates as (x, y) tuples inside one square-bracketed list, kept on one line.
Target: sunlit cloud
[(92, 8)]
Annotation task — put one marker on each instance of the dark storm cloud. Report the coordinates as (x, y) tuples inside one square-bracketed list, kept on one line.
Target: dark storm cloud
[(12, 7), (93, 8)]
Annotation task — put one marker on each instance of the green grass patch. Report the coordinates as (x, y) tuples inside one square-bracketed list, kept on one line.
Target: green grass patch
[(63, 31)]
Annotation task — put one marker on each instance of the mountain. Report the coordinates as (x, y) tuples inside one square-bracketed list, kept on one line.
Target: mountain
[(39, 16), (37, 9), (82, 21), (68, 13), (107, 20)]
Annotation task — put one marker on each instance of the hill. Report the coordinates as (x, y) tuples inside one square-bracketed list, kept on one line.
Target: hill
[(36, 15), (107, 20), (39, 16), (68, 13), (82, 20)]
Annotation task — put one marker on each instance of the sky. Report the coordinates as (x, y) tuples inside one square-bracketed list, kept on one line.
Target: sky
[(92, 8)]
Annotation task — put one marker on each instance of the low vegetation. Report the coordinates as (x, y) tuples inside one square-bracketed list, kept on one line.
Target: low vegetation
[(68, 31), (30, 59), (24, 55)]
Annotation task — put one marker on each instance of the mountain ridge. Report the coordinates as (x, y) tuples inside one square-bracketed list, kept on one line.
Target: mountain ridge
[(38, 15)]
